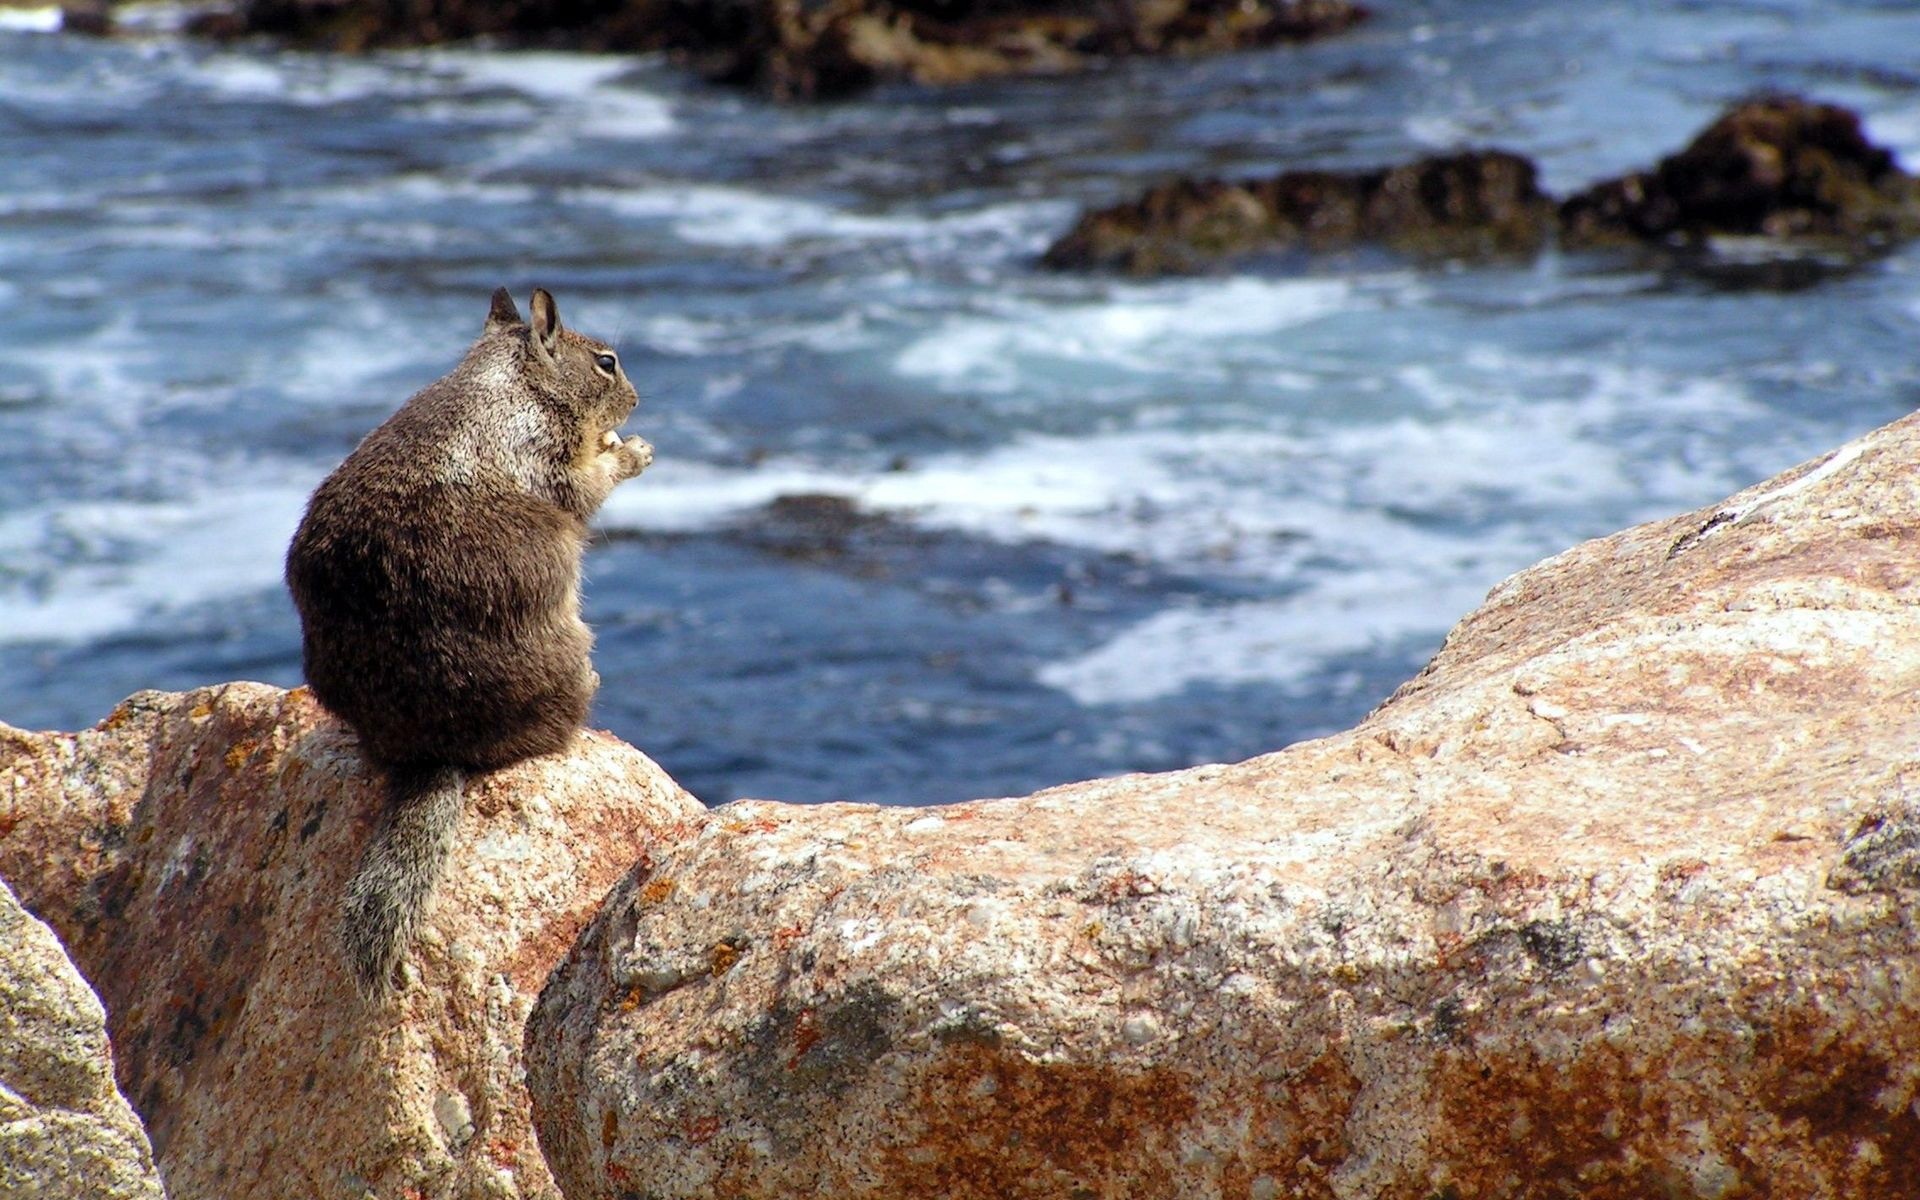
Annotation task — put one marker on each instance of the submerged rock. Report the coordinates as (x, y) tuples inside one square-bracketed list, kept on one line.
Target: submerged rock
[(1615, 899), (1470, 205), (64, 1129), (191, 851), (796, 49), (1777, 168), (1773, 167)]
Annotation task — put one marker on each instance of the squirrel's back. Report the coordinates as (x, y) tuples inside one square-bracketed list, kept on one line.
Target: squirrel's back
[(436, 573), (439, 601)]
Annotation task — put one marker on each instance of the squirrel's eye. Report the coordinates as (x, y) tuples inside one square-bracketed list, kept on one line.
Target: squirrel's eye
[(606, 362)]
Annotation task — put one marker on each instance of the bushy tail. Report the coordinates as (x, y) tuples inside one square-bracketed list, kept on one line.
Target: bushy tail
[(397, 873)]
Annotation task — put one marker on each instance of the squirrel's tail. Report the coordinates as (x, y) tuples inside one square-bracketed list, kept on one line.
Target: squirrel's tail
[(398, 871)]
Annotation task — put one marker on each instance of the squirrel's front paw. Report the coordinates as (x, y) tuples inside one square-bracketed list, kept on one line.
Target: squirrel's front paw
[(636, 455)]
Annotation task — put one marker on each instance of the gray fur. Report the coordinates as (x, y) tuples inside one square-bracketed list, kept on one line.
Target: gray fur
[(437, 574), (389, 891)]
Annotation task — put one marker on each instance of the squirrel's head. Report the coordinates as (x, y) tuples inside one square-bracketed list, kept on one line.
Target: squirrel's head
[(579, 374)]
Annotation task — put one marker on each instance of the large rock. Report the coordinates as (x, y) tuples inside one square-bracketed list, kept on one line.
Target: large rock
[(1794, 174), (64, 1129), (795, 49), (191, 851), (1774, 167), (1616, 899), (1473, 205)]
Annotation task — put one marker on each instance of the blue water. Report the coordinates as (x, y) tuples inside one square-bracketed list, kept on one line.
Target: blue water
[(1108, 526)]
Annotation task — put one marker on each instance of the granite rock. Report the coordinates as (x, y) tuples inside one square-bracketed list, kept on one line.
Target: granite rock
[(190, 851), (1616, 899), (64, 1129)]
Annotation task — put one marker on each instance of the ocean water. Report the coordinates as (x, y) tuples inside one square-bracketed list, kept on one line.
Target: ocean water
[(1081, 525)]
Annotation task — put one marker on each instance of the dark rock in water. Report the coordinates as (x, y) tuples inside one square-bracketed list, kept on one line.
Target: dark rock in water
[(816, 526), (355, 25), (1799, 178), (1773, 167), (798, 49), (1473, 205), (91, 17)]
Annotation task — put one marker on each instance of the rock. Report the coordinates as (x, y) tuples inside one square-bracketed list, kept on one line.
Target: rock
[(91, 17), (1479, 204), (190, 851), (61, 1120), (1778, 168), (799, 49), (1614, 900), (356, 25), (1773, 167)]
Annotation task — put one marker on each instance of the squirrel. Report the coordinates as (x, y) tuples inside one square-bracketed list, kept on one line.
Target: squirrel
[(437, 577)]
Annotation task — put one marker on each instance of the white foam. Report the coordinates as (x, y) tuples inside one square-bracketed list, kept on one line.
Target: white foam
[(30, 20), (307, 80), (574, 94), (418, 188), (154, 18), (558, 96), (97, 373), (353, 363), (682, 496), (1499, 472), (1244, 501), (1135, 329), (711, 215), (1438, 131), (549, 75), (1278, 642), (1899, 132), (101, 568), (1094, 492)]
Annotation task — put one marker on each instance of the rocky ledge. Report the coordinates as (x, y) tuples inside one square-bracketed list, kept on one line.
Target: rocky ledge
[(1615, 899), (1778, 167), (799, 49), (190, 852)]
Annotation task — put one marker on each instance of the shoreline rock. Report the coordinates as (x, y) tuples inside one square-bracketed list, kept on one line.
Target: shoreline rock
[(191, 849), (1614, 899), (1476, 204), (1781, 168), (1774, 167), (803, 49)]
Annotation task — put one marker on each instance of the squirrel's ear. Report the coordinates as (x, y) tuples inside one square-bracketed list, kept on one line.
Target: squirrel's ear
[(503, 315), (546, 321)]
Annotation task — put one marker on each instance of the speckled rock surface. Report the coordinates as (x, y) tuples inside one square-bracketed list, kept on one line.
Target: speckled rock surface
[(1619, 899), (64, 1129), (190, 851)]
